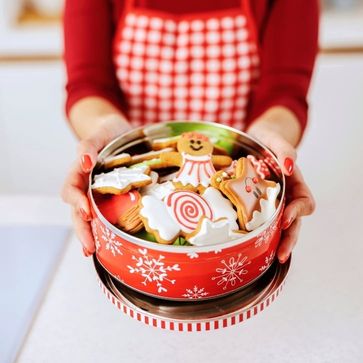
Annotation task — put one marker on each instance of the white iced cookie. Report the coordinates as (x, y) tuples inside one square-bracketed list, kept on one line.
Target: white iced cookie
[(222, 207), (212, 232), (157, 190), (267, 208), (121, 180), (157, 220), (187, 209)]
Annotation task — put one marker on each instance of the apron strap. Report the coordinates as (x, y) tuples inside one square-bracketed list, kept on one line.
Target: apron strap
[(246, 7), (129, 4)]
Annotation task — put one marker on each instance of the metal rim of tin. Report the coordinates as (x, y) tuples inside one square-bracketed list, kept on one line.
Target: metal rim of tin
[(196, 315), (143, 133)]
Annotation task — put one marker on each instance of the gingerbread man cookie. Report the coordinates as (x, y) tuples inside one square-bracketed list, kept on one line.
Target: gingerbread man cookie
[(196, 161), (249, 193)]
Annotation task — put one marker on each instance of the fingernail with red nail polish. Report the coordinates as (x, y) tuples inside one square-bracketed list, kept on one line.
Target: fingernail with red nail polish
[(84, 215), (289, 165), (86, 163), (85, 252)]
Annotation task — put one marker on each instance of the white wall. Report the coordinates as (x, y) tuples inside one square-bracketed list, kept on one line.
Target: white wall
[(36, 144), (332, 152)]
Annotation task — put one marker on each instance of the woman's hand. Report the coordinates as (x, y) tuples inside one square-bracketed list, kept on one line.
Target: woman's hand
[(75, 187), (279, 130)]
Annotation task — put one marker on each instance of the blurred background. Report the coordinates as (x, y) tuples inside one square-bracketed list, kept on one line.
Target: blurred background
[(37, 148), (35, 134)]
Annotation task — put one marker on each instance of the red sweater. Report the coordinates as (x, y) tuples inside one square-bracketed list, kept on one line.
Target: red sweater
[(287, 32)]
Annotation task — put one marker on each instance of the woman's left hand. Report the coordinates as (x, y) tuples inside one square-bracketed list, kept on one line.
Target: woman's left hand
[(299, 199)]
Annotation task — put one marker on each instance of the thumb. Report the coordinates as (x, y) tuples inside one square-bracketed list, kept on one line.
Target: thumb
[(88, 148), (285, 152), (88, 151)]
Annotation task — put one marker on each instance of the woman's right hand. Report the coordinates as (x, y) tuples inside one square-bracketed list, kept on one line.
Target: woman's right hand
[(75, 187)]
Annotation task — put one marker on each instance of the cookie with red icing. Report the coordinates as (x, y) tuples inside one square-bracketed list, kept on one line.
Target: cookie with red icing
[(180, 213), (196, 161), (254, 197)]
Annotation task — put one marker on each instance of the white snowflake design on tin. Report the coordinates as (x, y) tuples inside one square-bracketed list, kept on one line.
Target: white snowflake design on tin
[(95, 234), (232, 271), (268, 261), (195, 293), (192, 255), (265, 236), (154, 271), (111, 242)]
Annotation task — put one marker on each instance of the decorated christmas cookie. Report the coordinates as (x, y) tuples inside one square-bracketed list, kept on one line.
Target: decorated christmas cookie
[(222, 207), (179, 213), (261, 168), (211, 232), (153, 164), (267, 208), (157, 220), (246, 191), (151, 155), (118, 160), (187, 190), (121, 180), (158, 190), (162, 143), (187, 209), (196, 162)]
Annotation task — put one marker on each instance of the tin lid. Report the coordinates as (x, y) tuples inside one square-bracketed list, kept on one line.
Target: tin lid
[(196, 315)]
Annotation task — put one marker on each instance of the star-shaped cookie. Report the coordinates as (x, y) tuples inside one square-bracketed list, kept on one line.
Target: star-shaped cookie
[(121, 180), (246, 190)]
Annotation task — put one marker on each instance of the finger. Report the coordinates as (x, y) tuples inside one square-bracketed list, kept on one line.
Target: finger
[(83, 232), (303, 206), (74, 193), (88, 149), (86, 253), (285, 152), (288, 241), (302, 201), (87, 152)]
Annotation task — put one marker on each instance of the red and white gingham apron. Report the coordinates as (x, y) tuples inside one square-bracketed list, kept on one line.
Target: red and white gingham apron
[(198, 66)]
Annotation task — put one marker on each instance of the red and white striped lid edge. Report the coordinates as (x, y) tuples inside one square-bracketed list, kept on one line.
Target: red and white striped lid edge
[(223, 321)]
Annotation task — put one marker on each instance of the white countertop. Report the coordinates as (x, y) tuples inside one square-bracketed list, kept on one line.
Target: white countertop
[(317, 318)]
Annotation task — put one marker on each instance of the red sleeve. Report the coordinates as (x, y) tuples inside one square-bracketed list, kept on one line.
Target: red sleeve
[(288, 48), (88, 35)]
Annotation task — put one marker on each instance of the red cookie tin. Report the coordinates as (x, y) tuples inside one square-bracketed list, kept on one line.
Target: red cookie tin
[(188, 272)]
